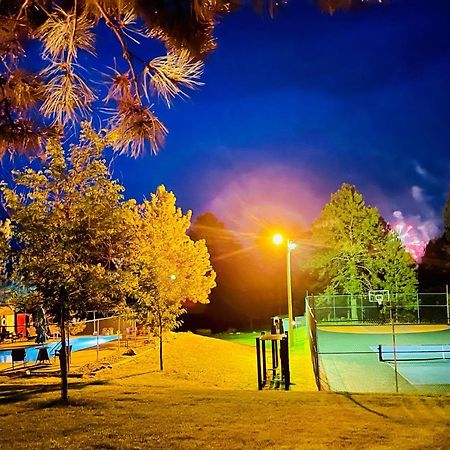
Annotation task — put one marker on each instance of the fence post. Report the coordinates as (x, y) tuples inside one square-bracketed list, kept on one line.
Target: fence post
[(258, 363), (274, 359), (418, 308), (334, 308), (264, 363), (284, 356), (448, 306)]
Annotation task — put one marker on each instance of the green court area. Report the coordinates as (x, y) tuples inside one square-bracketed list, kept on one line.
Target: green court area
[(248, 338), (300, 359), (349, 362)]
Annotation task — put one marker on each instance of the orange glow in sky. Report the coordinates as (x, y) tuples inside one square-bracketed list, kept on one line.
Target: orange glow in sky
[(266, 198)]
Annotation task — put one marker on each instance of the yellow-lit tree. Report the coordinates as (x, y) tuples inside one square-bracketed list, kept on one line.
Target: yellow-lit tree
[(5, 250), (171, 268), (72, 232)]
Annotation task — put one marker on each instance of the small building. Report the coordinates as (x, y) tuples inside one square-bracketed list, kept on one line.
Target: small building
[(7, 320)]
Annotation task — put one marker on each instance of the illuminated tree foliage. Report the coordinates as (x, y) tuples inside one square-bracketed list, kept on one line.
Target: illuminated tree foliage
[(5, 237), (354, 251), (37, 104), (171, 268), (72, 234)]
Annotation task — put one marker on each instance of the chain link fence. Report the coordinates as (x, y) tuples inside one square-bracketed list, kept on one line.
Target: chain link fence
[(419, 308), (410, 353)]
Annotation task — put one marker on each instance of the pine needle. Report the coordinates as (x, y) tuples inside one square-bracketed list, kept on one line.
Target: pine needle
[(66, 93), (64, 33), (169, 74), (22, 89), (133, 125)]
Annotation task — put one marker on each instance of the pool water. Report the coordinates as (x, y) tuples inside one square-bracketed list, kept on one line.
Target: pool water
[(77, 343)]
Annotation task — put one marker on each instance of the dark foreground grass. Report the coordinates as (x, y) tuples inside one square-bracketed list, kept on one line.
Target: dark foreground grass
[(140, 416), (192, 406)]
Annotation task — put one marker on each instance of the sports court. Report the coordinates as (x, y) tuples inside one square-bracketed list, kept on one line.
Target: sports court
[(349, 358)]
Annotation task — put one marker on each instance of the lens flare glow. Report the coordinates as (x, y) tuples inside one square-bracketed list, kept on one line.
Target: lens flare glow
[(277, 239)]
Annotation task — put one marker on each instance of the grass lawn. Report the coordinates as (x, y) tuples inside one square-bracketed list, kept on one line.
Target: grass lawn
[(207, 398)]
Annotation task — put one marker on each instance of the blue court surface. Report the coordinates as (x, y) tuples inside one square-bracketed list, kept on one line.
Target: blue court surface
[(419, 364), (349, 362)]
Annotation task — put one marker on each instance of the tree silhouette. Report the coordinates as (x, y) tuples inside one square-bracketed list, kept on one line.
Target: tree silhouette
[(227, 307), (434, 270)]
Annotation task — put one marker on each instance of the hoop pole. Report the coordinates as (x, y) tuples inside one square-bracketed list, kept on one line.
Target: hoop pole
[(393, 342), (448, 305)]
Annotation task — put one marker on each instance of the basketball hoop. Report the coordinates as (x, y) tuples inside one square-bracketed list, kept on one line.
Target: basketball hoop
[(381, 297)]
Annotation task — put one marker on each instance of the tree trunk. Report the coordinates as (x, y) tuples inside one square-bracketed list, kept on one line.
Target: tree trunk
[(63, 357), (161, 363), (354, 308)]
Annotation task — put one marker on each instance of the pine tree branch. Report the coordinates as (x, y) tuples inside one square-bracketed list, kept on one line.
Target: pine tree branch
[(125, 52)]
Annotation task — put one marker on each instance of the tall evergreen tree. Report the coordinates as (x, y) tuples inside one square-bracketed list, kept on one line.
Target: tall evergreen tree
[(354, 251)]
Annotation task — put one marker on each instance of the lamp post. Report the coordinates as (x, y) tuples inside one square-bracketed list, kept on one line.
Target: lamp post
[(278, 239)]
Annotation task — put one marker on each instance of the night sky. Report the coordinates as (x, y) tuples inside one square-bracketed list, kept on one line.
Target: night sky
[(294, 106)]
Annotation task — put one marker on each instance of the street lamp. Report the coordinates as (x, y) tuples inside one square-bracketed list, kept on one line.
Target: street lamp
[(278, 239)]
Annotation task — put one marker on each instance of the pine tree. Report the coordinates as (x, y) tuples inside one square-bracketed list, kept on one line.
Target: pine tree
[(354, 250), (36, 105), (345, 236)]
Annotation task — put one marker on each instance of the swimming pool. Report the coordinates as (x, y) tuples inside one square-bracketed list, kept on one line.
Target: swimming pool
[(77, 343)]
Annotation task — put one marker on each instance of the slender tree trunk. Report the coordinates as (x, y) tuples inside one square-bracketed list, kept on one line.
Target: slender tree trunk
[(63, 356), (354, 308), (161, 363)]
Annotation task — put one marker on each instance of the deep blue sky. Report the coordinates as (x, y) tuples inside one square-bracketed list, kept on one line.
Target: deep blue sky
[(312, 101), (295, 106)]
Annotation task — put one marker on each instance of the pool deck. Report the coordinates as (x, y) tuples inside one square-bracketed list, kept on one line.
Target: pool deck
[(79, 358)]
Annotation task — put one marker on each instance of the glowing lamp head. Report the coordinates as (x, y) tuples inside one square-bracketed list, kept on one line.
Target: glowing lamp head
[(278, 239), (173, 277), (292, 245)]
